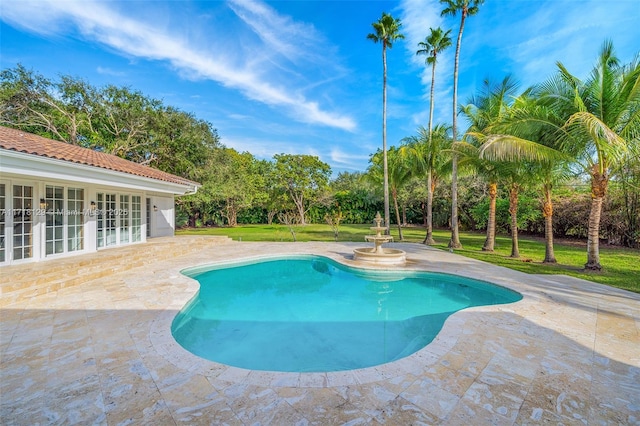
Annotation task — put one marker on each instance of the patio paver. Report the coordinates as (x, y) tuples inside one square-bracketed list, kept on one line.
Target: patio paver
[(98, 350)]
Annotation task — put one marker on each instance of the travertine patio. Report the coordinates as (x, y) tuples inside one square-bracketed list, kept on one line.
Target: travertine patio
[(86, 340)]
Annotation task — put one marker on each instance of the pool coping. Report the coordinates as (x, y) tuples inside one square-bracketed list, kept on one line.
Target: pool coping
[(162, 339), (102, 352)]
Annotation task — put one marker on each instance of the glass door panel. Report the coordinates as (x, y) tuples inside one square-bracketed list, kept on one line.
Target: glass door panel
[(136, 218), (125, 220), (22, 222), (54, 197), (106, 220), (75, 222), (3, 222)]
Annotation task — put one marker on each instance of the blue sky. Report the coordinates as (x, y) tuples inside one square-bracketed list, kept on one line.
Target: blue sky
[(300, 77)]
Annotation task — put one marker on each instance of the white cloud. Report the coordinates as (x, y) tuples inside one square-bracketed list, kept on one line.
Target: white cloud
[(102, 23), (554, 32), (109, 71), (418, 17), (280, 33), (266, 148), (239, 117), (343, 159)]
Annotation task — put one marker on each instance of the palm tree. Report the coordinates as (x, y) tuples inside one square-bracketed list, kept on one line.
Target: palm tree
[(427, 154), (497, 110), (517, 173), (549, 173), (490, 170), (607, 120), (436, 42), (387, 31), (433, 44), (529, 120), (484, 111), (600, 122), (466, 8)]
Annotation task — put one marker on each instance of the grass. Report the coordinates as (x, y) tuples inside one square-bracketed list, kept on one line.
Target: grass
[(621, 266)]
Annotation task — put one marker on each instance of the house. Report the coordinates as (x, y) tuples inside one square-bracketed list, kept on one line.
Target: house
[(58, 199)]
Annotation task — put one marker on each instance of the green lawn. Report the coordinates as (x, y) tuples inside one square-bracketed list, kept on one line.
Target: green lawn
[(621, 266)]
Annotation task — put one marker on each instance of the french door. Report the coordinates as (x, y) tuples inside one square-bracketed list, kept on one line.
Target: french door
[(118, 219)]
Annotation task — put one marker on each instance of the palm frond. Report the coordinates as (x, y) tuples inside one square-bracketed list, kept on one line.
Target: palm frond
[(608, 144), (513, 149)]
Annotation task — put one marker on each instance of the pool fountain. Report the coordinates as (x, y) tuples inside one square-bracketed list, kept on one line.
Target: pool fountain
[(378, 254)]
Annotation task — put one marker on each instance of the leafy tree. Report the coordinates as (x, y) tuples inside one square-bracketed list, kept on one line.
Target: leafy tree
[(116, 120), (237, 182), (466, 8), (529, 213), (302, 178), (60, 110), (333, 220), (355, 197), (626, 191), (182, 144), (387, 31), (346, 181), (126, 124)]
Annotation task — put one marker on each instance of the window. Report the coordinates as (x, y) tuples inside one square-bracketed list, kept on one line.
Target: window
[(125, 220), (136, 218), (75, 220), (22, 222), (3, 222), (64, 224), (148, 205), (118, 219), (54, 196), (106, 219)]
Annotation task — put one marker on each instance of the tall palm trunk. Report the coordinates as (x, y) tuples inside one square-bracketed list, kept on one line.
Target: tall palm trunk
[(490, 242), (385, 164), (428, 239), (513, 209), (430, 187), (455, 236), (433, 82), (599, 182), (547, 211), (394, 192)]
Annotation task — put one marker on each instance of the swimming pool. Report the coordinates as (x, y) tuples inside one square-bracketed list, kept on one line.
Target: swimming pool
[(311, 314)]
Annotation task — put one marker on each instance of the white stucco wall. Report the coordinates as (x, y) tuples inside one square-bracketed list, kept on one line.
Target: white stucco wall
[(163, 219), (37, 172)]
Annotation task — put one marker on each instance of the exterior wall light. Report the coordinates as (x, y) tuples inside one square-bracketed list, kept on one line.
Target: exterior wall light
[(93, 205), (155, 208), (43, 204)]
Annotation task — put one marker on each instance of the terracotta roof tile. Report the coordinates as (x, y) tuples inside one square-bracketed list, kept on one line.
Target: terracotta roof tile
[(20, 141)]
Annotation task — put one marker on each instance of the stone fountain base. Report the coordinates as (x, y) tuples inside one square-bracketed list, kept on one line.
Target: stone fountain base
[(379, 255), (385, 256)]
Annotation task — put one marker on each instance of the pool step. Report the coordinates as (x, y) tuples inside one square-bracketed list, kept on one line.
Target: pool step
[(32, 279)]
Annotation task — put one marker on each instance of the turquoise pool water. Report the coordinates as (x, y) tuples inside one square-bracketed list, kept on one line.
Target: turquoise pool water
[(311, 314)]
